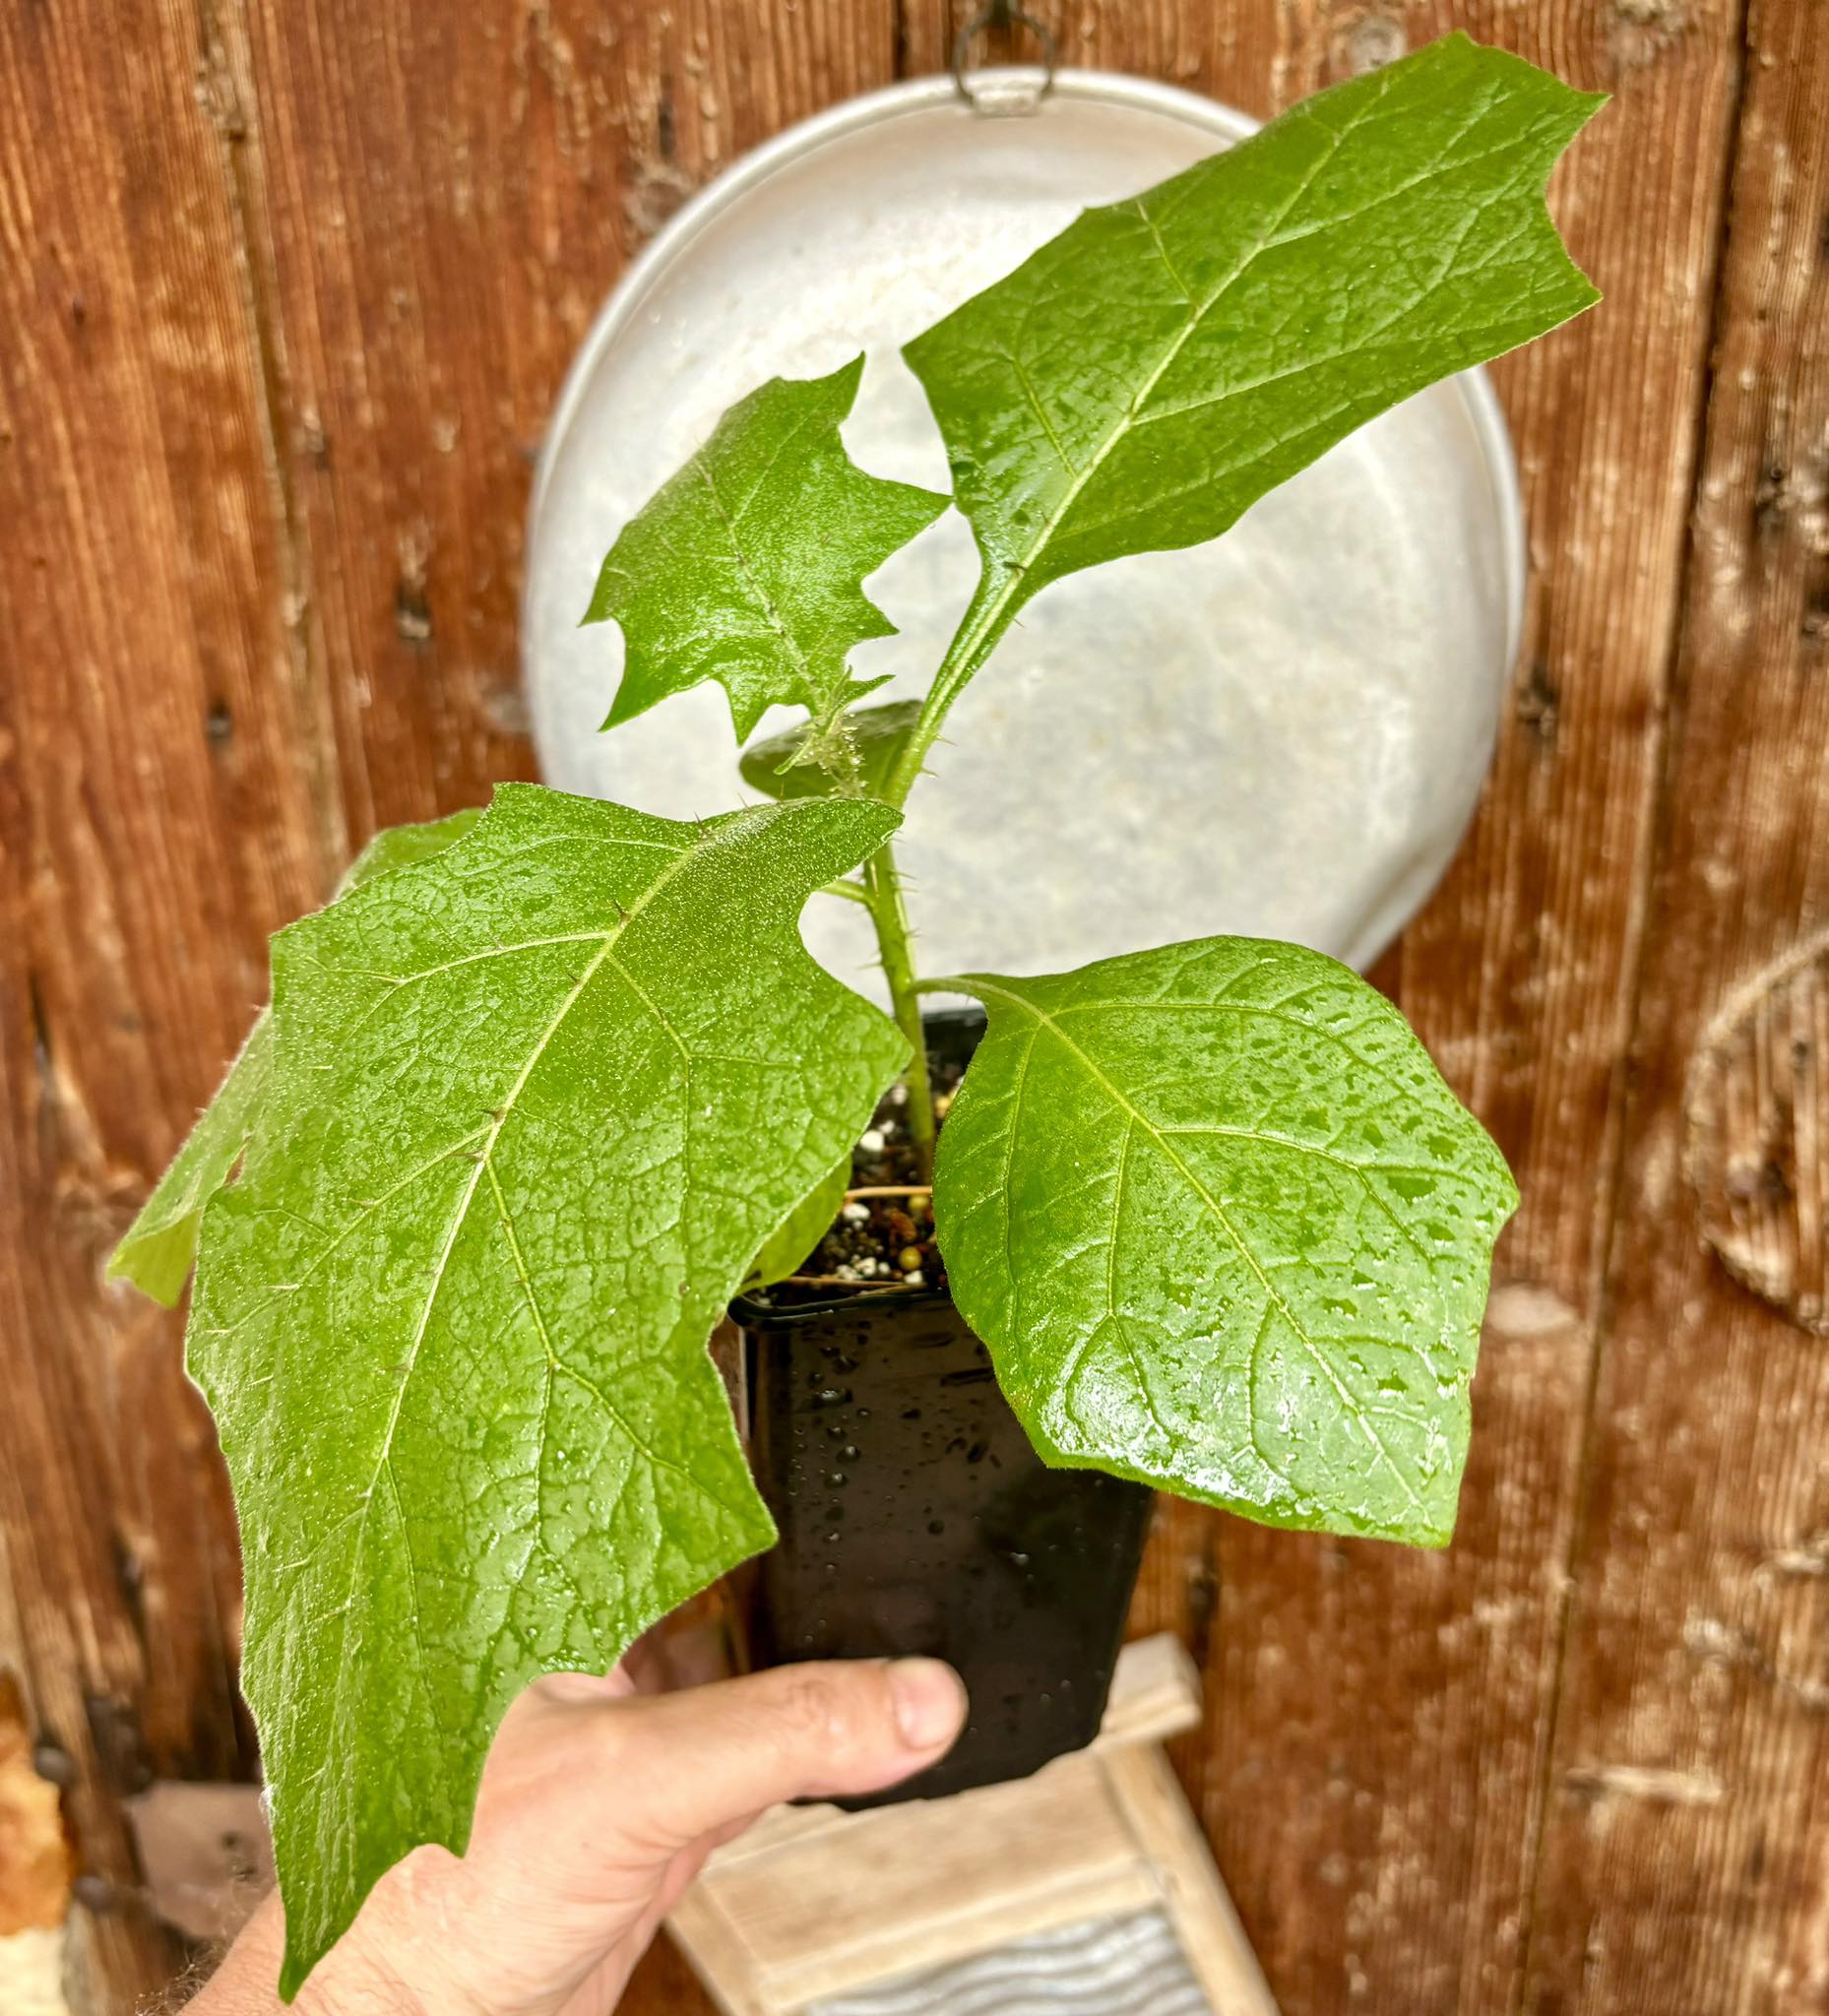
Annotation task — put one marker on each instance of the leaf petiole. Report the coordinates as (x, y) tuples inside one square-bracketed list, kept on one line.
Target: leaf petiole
[(889, 914), (981, 629), (993, 608)]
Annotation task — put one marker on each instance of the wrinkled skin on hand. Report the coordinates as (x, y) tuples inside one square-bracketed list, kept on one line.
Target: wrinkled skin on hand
[(600, 1803)]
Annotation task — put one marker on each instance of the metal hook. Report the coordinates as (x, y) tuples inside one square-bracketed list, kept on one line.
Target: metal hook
[(1005, 99)]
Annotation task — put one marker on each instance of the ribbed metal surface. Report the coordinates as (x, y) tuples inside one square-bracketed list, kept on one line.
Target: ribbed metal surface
[(1108, 1967)]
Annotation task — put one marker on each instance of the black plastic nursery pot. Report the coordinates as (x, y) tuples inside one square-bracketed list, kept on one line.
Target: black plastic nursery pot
[(916, 1517)]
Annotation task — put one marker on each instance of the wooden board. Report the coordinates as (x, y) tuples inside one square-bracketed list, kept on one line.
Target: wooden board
[(813, 1903), (286, 293), (156, 818), (1686, 1846)]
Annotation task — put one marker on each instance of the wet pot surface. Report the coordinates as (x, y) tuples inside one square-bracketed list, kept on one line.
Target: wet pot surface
[(915, 1518)]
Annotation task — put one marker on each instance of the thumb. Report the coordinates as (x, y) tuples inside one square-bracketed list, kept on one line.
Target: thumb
[(689, 1764)]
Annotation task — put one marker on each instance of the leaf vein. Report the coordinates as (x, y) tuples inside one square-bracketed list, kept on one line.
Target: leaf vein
[(1223, 1219)]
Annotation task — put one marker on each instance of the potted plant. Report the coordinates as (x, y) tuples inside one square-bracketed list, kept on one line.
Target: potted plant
[(546, 1087)]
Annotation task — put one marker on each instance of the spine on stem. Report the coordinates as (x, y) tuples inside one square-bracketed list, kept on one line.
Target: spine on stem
[(889, 914), (992, 609)]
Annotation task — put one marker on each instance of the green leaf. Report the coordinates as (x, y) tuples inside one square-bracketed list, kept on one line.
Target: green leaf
[(779, 765), (538, 1103), (747, 567), (157, 1249), (401, 846), (159, 1246), (804, 1229), (1151, 372), (1225, 1229)]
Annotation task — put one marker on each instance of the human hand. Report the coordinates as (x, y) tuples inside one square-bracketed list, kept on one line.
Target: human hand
[(596, 1807)]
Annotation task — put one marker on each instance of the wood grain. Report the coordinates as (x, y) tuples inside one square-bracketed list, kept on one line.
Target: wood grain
[(1686, 1850), (287, 293), (447, 210), (156, 821)]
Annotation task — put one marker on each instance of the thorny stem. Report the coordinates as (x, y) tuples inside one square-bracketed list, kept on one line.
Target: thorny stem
[(889, 914), (993, 610)]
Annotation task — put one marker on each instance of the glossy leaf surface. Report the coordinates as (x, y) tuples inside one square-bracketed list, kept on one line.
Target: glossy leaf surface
[(404, 847), (1225, 1229), (537, 1104), (1152, 371), (748, 565)]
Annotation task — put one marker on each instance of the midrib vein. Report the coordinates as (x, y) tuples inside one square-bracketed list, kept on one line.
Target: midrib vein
[(483, 1161), (765, 600), (1014, 591), (467, 1196), (988, 626), (556, 1364), (1127, 418), (1221, 1216)]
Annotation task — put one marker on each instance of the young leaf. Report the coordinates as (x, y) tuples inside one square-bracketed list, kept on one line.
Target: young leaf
[(159, 1246), (878, 734), (537, 1104), (1225, 1229), (747, 566), (1151, 372)]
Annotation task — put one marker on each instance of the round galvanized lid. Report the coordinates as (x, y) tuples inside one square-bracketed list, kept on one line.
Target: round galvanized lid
[(1281, 734)]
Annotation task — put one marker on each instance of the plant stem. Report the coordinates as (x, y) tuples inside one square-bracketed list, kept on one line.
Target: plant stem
[(889, 914), (993, 610)]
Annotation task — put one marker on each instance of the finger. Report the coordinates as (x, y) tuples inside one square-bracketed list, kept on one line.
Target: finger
[(576, 1690), (685, 1648), (645, 1662), (685, 1765)]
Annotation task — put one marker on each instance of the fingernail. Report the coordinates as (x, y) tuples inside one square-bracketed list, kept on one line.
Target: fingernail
[(929, 1698)]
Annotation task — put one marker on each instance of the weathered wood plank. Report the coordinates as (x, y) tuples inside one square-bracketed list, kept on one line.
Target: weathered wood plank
[(157, 819), (294, 289), (446, 210), (1373, 1752), (1685, 1861)]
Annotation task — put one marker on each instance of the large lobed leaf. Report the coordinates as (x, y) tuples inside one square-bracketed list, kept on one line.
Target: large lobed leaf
[(159, 1246), (747, 566), (1165, 362), (536, 1105), (1225, 1229)]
